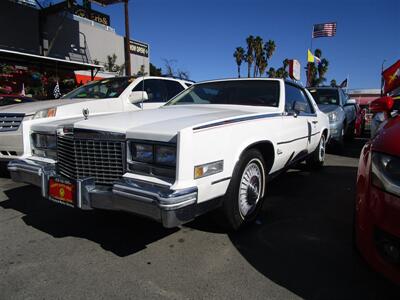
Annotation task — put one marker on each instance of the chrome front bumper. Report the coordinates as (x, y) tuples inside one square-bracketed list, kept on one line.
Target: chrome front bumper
[(170, 207)]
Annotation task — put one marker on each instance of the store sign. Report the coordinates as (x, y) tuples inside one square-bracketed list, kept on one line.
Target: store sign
[(294, 69), (138, 48), (91, 15)]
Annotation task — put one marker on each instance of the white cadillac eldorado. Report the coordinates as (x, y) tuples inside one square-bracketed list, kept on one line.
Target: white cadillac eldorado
[(214, 145)]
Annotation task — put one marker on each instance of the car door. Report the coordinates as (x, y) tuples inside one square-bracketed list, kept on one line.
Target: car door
[(156, 91), (293, 140), (349, 110), (313, 125)]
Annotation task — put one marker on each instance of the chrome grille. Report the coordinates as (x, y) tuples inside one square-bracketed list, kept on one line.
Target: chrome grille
[(10, 122), (83, 158)]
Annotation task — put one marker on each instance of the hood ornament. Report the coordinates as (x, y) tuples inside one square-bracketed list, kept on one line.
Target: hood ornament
[(85, 113)]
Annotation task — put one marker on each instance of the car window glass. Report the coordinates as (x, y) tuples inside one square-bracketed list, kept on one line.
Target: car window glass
[(325, 96), (173, 88), (232, 92), (155, 89), (294, 94)]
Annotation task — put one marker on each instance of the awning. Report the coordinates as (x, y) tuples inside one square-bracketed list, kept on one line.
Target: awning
[(45, 61)]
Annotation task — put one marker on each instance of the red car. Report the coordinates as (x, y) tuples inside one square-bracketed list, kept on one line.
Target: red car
[(377, 207)]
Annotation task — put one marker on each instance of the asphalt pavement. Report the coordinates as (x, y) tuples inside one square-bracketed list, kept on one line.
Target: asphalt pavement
[(300, 247)]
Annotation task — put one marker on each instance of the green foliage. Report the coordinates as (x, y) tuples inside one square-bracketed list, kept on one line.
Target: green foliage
[(239, 57), (256, 55), (154, 71), (316, 71), (111, 65)]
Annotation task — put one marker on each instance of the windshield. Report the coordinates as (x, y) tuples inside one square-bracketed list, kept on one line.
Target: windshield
[(234, 92), (325, 96), (105, 88)]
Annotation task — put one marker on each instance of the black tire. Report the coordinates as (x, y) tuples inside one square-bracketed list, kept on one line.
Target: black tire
[(252, 197), (350, 132), (317, 158)]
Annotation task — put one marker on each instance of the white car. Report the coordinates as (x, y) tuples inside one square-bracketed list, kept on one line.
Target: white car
[(215, 144), (105, 96)]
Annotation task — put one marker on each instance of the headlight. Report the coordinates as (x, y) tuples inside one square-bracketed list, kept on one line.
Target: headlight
[(333, 117), (208, 169), (44, 145), (45, 113), (153, 153), (142, 152), (165, 155), (386, 172)]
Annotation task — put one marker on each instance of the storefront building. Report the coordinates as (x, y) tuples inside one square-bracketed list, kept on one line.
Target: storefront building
[(68, 33)]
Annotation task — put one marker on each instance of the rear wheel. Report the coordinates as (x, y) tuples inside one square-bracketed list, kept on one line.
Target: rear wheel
[(245, 193), (317, 158)]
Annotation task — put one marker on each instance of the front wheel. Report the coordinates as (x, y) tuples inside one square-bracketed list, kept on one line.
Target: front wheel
[(245, 193), (317, 158)]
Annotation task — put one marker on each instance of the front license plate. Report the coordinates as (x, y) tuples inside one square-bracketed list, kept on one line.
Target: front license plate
[(62, 191)]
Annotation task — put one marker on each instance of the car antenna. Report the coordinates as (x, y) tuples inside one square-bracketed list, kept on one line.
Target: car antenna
[(142, 85)]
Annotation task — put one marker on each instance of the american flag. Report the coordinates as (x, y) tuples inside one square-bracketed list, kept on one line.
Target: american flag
[(324, 30), (56, 92)]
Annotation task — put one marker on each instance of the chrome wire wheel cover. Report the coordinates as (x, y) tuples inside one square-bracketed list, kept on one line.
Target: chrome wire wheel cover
[(322, 146), (251, 187)]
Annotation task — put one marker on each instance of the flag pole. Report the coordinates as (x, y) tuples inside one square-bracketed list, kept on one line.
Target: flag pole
[(308, 63)]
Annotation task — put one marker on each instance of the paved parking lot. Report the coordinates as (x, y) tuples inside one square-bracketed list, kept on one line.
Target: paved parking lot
[(300, 247)]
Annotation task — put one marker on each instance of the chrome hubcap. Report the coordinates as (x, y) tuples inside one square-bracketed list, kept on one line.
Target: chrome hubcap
[(251, 185), (322, 149)]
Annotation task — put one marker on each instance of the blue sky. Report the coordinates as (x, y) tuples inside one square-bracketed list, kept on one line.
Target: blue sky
[(202, 35)]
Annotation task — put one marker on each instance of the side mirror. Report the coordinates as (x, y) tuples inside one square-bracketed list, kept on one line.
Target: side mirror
[(138, 96), (351, 102), (383, 104), (298, 107)]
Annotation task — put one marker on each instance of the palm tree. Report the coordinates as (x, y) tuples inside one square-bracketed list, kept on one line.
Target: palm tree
[(262, 65), (249, 55), (271, 73), (318, 53), (258, 53), (269, 48), (239, 56)]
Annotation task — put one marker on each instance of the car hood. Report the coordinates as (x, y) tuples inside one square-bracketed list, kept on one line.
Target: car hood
[(387, 140), (163, 124), (327, 108), (32, 107)]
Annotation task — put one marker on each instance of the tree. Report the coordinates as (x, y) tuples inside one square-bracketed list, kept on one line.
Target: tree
[(333, 83), (249, 58), (170, 69), (262, 65), (239, 56), (281, 72), (258, 54), (316, 72), (271, 73), (269, 48), (154, 71), (111, 65)]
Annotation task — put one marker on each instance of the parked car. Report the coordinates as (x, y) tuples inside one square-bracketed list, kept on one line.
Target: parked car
[(10, 99), (214, 145), (105, 96), (378, 117), (377, 210), (340, 109)]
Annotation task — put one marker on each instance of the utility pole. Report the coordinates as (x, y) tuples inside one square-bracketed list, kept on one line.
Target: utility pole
[(382, 81), (127, 39)]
